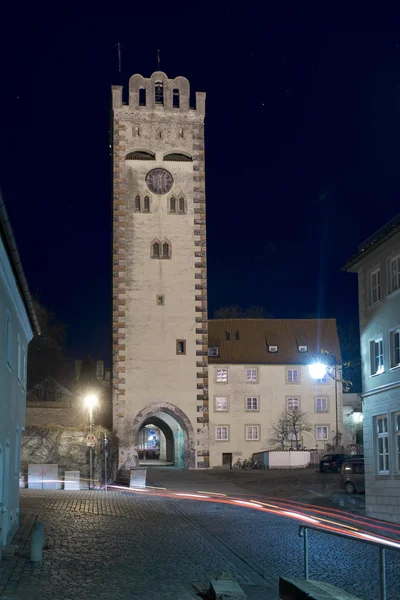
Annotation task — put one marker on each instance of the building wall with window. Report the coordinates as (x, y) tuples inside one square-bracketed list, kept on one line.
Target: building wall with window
[(247, 398), (16, 330), (159, 265), (377, 265)]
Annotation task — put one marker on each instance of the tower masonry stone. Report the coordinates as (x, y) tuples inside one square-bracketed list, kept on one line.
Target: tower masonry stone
[(160, 331)]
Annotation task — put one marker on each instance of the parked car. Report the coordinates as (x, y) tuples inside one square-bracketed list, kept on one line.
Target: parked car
[(352, 476), (332, 462)]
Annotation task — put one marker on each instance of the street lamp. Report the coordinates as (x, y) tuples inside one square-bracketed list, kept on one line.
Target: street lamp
[(318, 370), (91, 401)]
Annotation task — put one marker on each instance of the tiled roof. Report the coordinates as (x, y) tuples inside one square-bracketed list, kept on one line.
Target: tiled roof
[(255, 335)]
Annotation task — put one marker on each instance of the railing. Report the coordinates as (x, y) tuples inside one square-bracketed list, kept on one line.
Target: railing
[(303, 532)]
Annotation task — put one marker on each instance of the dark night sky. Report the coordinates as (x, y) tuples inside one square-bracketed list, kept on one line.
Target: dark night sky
[(302, 152)]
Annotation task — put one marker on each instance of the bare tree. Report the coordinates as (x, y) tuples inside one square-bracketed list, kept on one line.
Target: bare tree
[(278, 432), (288, 430)]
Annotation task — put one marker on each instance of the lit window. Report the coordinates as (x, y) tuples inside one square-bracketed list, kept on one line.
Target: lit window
[(251, 375), (395, 348), (221, 375), (172, 205), (156, 250), (292, 403), (221, 403), (394, 274), (252, 403), (9, 339), (293, 376), (222, 433), (382, 444), (376, 348), (321, 404), (374, 287), (321, 432), (175, 98), (137, 203), (252, 432), (146, 205), (397, 429), (181, 205), (159, 93)]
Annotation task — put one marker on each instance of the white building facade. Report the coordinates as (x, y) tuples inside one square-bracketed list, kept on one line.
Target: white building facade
[(260, 368), (377, 265), (17, 324)]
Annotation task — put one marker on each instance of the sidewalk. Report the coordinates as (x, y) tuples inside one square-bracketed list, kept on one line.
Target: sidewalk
[(113, 545)]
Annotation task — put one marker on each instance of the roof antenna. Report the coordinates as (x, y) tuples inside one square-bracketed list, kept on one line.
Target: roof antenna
[(119, 46), (158, 60)]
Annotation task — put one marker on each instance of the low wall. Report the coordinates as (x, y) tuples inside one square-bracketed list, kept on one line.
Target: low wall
[(288, 460)]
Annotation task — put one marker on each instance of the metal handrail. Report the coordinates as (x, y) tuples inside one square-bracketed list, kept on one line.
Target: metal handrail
[(303, 532)]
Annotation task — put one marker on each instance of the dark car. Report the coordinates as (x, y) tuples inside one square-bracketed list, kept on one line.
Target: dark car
[(352, 475), (332, 462)]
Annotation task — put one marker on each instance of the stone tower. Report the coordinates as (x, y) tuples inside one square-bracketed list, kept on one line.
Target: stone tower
[(160, 342)]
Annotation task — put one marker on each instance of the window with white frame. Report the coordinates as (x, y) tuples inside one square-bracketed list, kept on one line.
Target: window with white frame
[(382, 444), (251, 403), (221, 375), (321, 404), (394, 274), (221, 403), (322, 380), (397, 432), (222, 433), (9, 339), (321, 432), (395, 348), (292, 375), (376, 354), (251, 375), (252, 432), (292, 403), (374, 287)]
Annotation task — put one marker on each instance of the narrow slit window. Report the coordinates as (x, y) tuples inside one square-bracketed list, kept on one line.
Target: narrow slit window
[(175, 98), (160, 300), (156, 250), (146, 206), (142, 97), (159, 93), (181, 346), (165, 250), (137, 203), (181, 205), (172, 204)]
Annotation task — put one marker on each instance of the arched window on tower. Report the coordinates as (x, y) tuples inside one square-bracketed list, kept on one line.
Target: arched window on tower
[(137, 203), (156, 250), (159, 93), (146, 204), (142, 97), (181, 205), (175, 98), (172, 205), (165, 250)]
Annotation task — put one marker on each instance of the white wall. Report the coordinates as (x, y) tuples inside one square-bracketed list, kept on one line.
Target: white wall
[(287, 460), (12, 395), (272, 390)]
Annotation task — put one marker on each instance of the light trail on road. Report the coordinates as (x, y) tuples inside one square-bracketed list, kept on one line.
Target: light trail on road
[(291, 509)]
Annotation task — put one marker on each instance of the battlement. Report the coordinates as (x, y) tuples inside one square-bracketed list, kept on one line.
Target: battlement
[(159, 93)]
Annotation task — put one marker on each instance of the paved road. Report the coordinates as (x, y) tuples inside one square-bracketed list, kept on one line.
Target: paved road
[(113, 545)]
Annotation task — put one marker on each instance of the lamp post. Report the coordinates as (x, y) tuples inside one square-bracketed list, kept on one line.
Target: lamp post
[(91, 402), (318, 370)]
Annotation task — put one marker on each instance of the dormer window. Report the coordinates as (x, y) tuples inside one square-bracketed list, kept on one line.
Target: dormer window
[(272, 348), (159, 93), (213, 351), (237, 336), (303, 348), (227, 336)]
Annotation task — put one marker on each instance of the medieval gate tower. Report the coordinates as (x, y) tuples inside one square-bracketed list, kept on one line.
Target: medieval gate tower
[(160, 343)]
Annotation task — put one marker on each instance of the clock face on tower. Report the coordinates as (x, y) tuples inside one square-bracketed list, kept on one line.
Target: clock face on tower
[(159, 181)]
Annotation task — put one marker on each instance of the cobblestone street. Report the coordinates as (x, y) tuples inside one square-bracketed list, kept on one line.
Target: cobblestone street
[(118, 545)]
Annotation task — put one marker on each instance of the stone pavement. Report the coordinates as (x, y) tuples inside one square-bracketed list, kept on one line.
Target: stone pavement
[(122, 545)]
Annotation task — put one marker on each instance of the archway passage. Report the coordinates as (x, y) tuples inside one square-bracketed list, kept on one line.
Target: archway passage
[(164, 435)]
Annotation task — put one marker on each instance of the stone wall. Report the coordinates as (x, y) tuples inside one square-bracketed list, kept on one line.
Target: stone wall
[(67, 447)]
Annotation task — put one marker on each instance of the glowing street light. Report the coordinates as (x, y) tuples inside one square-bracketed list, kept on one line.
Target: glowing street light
[(317, 370), (91, 401)]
